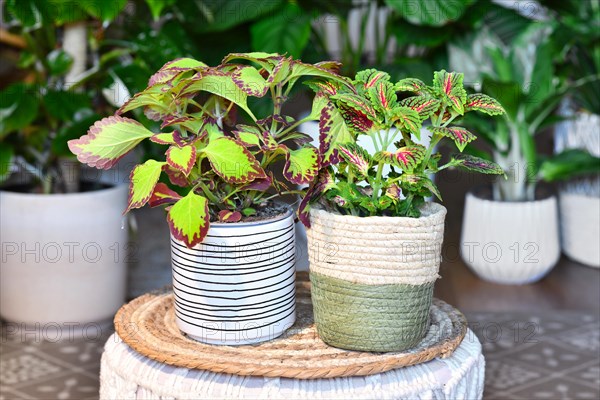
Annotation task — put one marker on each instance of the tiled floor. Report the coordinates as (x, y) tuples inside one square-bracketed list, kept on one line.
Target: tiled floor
[(553, 356)]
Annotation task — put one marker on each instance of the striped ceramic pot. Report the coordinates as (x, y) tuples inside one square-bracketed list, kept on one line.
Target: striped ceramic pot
[(237, 286), (372, 277)]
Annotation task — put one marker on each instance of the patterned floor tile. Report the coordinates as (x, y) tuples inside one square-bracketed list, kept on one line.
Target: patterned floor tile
[(556, 390), (502, 375), (585, 338), (23, 367), (589, 375), (69, 386), (548, 356)]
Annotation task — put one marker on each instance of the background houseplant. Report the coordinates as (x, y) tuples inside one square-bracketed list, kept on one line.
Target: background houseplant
[(65, 243), (374, 243), (220, 171), (524, 245), (577, 35)]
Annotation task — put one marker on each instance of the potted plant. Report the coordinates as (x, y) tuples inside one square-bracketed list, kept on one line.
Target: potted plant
[(63, 243), (579, 57), (232, 245), (374, 242), (523, 245)]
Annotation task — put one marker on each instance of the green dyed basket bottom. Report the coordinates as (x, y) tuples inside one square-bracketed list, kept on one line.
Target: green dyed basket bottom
[(375, 318)]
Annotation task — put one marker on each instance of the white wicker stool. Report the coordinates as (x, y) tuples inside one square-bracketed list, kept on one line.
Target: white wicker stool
[(126, 375)]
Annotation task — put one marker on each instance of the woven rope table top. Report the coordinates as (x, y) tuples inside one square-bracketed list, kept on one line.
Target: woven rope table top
[(147, 325)]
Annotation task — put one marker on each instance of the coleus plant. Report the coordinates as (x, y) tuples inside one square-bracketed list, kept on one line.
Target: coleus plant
[(216, 168), (351, 180)]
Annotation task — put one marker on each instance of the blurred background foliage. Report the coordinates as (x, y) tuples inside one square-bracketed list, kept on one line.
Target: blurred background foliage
[(43, 103)]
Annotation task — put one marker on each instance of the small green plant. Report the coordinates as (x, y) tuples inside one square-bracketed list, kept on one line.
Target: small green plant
[(217, 169), (352, 180)]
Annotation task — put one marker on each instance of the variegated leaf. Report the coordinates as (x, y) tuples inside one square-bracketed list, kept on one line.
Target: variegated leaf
[(302, 165), (143, 179), (357, 157), (173, 68), (356, 103), (393, 192), (322, 183), (249, 139), (108, 140), (182, 158), (476, 164), (169, 138), (229, 216), (260, 184), (232, 161), (460, 136), (333, 132), (420, 181), (189, 219), (217, 82), (190, 124), (357, 121), (176, 177), (410, 85), (406, 158), (163, 195), (249, 80), (406, 119), (450, 86), (423, 105), (383, 96), (370, 77), (484, 103)]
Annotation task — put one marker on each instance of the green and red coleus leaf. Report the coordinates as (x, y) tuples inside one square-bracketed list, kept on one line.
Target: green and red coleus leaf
[(260, 184), (232, 161), (189, 219), (406, 158), (173, 68), (425, 106), (450, 86), (162, 194), (393, 192), (418, 182), (383, 96), (248, 79), (302, 165), (357, 103), (182, 158), (484, 103), (459, 135), (229, 216), (323, 182), (477, 164), (168, 138), (143, 179), (176, 177), (406, 119), (248, 135), (410, 85), (333, 132), (357, 157), (108, 140), (371, 77)]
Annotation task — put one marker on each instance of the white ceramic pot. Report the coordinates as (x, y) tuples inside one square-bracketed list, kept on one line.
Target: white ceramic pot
[(580, 227), (510, 242), (63, 257), (237, 286)]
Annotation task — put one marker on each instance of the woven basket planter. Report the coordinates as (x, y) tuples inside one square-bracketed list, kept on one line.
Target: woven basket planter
[(237, 286), (372, 277)]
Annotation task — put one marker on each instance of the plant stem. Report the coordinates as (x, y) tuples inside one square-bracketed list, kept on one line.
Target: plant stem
[(208, 193), (377, 183), (432, 143)]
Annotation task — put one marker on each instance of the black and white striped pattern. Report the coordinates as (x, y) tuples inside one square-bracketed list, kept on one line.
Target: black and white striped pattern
[(237, 287)]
